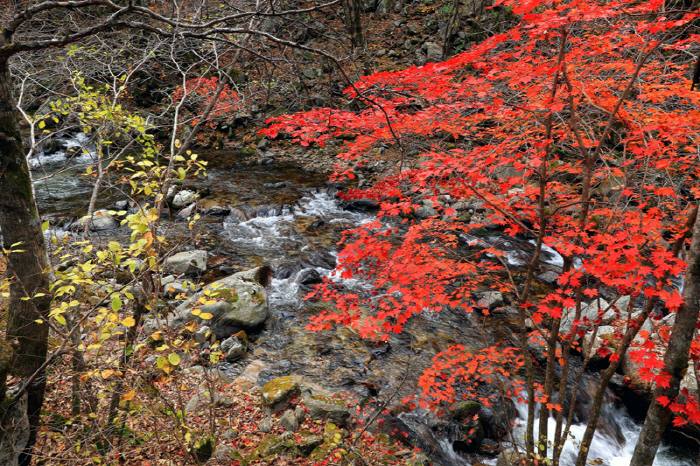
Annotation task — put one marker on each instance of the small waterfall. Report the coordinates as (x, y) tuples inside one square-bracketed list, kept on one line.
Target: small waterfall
[(613, 442)]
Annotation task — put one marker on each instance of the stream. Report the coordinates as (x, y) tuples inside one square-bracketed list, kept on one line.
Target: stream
[(291, 220)]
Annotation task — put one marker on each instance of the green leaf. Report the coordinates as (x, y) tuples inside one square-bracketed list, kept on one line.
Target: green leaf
[(174, 359), (116, 304)]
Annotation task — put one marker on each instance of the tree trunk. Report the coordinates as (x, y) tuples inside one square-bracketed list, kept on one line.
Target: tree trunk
[(20, 223), (353, 17), (675, 360)]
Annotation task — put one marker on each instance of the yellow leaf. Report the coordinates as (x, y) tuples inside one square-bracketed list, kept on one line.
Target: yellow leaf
[(174, 359), (205, 316), (106, 373), (129, 395), (128, 322)]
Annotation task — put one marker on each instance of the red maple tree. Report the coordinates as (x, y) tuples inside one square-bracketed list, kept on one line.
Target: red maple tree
[(576, 130)]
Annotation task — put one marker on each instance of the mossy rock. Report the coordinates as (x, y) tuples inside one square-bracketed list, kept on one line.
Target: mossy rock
[(465, 409), (308, 442), (274, 445), (278, 393)]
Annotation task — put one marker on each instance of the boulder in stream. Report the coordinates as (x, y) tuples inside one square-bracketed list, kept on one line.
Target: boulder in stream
[(187, 263), (184, 198), (239, 302), (101, 221)]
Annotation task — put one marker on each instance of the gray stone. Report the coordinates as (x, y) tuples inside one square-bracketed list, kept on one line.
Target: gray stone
[(202, 334), (230, 435), (433, 52), (240, 303), (265, 425), (187, 211), (186, 262), (323, 407), (121, 205), (178, 287), (101, 221), (223, 452), (425, 212), (300, 414), (289, 421), (490, 300), (550, 277), (184, 198), (235, 349), (589, 311)]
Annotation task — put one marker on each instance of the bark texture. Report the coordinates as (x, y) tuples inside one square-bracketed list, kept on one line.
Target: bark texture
[(20, 223), (675, 360)]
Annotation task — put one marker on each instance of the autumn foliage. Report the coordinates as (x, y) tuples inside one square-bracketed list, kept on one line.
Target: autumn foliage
[(199, 92), (576, 130)]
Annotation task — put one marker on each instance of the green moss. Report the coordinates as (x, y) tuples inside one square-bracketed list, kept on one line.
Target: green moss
[(328, 400), (228, 295), (278, 392), (465, 409)]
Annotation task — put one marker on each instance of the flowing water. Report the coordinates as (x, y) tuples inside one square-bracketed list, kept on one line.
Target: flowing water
[(292, 221)]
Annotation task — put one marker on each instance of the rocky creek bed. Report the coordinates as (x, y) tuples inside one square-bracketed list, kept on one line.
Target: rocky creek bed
[(289, 221)]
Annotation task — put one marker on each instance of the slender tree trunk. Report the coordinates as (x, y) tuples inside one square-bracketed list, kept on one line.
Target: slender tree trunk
[(676, 359), (20, 224), (353, 13)]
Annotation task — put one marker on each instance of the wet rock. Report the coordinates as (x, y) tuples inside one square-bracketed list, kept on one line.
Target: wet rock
[(289, 421), (218, 211), (308, 277), (183, 199), (332, 409), (51, 146), (281, 184), (465, 409), (360, 205), (278, 393), (187, 263)]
